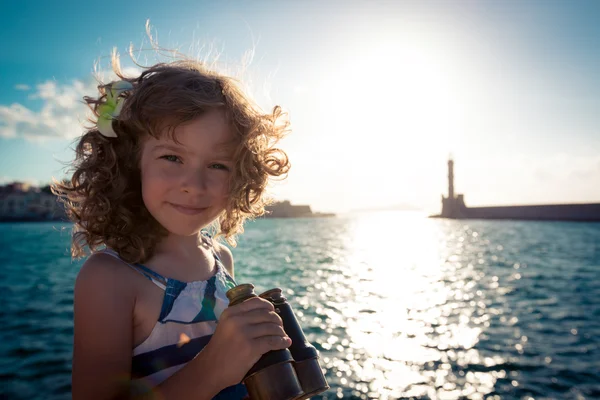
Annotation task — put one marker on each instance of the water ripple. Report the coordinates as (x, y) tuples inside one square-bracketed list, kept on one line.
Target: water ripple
[(399, 306)]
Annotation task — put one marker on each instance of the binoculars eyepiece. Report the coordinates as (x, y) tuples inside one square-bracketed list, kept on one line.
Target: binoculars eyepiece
[(289, 374)]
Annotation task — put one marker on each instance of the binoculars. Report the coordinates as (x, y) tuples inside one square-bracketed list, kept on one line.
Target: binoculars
[(290, 374)]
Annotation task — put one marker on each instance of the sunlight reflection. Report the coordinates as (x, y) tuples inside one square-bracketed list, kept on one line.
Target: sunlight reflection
[(407, 302)]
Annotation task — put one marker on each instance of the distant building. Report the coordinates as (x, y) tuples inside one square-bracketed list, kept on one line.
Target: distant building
[(15, 205), (285, 209), (15, 187), (45, 205), (23, 202)]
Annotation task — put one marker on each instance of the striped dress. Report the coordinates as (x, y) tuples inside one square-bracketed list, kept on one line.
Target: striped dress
[(188, 318)]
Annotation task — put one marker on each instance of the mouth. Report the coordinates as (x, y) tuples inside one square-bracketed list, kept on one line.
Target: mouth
[(187, 209)]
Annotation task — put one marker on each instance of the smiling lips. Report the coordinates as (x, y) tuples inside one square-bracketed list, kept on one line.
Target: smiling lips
[(187, 210)]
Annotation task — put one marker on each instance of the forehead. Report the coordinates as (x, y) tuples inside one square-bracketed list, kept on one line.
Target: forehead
[(209, 132)]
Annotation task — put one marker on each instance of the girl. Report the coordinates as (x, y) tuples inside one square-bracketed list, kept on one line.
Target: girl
[(171, 152)]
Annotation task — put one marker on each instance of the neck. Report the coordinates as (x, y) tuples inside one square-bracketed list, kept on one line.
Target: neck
[(181, 247)]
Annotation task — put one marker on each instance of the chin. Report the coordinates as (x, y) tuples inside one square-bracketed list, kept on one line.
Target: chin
[(183, 228), (186, 225)]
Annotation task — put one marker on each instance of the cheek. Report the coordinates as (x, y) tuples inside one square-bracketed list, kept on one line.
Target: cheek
[(222, 185), (147, 190), (153, 183)]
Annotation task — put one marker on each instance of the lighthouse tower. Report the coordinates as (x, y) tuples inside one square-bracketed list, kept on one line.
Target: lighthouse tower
[(453, 206), (451, 179)]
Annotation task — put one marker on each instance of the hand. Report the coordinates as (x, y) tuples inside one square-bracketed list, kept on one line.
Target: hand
[(244, 333)]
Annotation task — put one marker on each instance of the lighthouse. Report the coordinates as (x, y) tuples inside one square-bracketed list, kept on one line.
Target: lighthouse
[(453, 205)]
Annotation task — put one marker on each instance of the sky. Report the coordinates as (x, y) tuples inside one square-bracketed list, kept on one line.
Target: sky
[(379, 94)]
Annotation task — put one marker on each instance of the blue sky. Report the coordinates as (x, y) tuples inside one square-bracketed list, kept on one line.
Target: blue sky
[(379, 93)]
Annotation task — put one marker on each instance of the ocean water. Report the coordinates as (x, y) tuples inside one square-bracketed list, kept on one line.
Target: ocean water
[(399, 306)]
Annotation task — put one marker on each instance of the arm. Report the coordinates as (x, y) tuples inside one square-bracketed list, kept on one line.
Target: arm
[(102, 348), (103, 330)]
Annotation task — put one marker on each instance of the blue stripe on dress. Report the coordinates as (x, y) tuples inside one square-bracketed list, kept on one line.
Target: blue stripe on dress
[(236, 392), (230, 281), (174, 288), (207, 312), (167, 356)]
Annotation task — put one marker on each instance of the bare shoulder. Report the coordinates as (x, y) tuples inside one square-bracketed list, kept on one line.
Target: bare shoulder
[(225, 255), (102, 271), (104, 289), (103, 310), (100, 263)]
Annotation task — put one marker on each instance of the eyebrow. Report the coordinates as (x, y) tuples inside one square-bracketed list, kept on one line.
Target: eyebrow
[(223, 153), (169, 147)]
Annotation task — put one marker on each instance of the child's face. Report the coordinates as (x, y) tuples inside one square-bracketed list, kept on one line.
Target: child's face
[(185, 186)]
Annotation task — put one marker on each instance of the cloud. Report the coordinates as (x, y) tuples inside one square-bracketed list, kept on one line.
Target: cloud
[(22, 86), (61, 115)]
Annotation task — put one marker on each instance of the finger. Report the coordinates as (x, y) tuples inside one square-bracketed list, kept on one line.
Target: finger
[(260, 316), (268, 343), (265, 329), (249, 305)]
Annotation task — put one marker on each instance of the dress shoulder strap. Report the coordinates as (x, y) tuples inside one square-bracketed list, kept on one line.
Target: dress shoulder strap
[(221, 267), (207, 238), (155, 278)]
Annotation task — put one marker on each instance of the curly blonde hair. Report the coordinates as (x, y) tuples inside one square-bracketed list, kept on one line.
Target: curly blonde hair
[(103, 197)]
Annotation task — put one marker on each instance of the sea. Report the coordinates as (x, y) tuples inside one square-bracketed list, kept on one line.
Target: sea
[(399, 306)]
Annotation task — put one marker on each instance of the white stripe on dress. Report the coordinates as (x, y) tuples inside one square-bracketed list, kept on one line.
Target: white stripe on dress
[(170, 333)]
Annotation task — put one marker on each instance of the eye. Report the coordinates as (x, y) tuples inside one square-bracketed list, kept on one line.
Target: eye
[(220, 166), (171, 158)]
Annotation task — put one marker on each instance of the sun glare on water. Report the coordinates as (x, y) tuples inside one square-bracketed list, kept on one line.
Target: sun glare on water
[(400, 310)]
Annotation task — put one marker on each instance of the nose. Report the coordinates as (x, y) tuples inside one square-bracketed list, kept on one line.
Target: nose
[(195, 182)]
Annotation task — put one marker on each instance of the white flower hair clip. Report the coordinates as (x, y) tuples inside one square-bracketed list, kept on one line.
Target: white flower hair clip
[(111, 109)]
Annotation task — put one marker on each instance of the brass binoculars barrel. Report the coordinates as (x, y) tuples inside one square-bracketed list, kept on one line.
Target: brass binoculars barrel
[(289, 374)]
